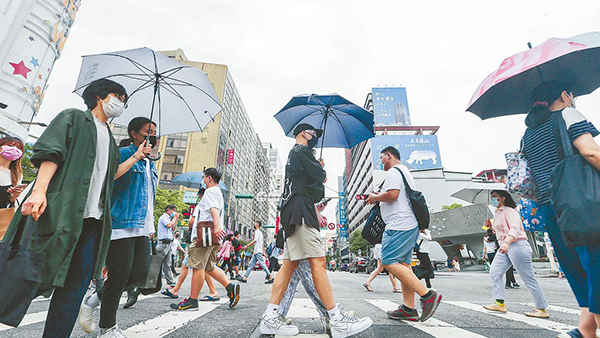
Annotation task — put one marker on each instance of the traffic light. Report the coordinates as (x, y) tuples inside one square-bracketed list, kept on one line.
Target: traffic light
[(244, 196)]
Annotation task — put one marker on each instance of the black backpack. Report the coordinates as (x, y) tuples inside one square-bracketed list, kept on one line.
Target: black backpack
[(418, 203)]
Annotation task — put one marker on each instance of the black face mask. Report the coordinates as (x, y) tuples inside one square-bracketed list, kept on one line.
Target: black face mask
[(153, 141), (312, 142)]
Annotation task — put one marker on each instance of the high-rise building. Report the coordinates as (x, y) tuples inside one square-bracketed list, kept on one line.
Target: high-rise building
[(229, 143)]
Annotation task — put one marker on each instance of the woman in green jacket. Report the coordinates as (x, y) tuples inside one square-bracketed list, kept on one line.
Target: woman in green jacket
[(78, 161)]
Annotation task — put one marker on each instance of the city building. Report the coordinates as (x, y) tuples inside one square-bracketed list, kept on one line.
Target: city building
[(229, 143), (33, 34)]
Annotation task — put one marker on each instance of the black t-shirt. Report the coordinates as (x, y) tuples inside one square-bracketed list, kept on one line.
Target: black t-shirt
[(236, 245), (303, 187)]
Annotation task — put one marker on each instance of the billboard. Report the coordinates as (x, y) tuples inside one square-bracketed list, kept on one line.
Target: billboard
[(32, 36), (416, 151), (390, 106)]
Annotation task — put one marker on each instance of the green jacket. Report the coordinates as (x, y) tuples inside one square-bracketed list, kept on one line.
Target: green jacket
[(70, 142)]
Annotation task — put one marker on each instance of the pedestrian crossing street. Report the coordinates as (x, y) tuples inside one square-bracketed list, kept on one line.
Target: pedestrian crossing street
[(303, 312)]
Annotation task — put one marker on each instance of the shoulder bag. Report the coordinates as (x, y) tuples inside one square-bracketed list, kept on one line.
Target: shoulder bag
[(375, 226), (418, 203), (21, 268), (575, 184), (206, 236), (519, 179)]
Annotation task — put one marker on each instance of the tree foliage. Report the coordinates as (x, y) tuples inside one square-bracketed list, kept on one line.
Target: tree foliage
[(358, 242), (452, 206), (29, 171), (165, 197)]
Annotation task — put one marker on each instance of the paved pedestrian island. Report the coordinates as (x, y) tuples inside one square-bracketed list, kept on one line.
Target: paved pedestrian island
[(460, 315)]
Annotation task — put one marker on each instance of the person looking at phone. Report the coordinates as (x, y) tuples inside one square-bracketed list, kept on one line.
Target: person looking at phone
[(11, 151)]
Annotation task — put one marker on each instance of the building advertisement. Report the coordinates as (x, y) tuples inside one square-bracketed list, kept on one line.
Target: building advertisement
[(390, 106), (32, 36), (416, 151), (230, 156)]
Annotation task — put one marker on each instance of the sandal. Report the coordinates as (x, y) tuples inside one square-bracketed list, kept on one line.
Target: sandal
[(209, 299), (397, 291), (168, 293), (368, 287)]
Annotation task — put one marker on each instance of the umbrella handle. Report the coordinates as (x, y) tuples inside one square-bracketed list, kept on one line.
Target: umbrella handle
[(154, 158)]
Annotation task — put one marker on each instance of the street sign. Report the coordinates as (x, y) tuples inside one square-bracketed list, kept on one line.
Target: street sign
[(269, 227), (230, 156), (331, 226), (244, 196)]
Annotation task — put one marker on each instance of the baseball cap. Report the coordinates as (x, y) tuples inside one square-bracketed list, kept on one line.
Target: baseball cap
[(305, 126)]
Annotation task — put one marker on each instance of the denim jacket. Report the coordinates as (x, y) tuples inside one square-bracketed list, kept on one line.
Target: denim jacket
[(130, 193)]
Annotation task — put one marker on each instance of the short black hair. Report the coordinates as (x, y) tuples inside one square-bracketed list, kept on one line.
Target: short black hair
[(100, 89), (213, 173), (236, 233), (259, 223), (170, 207), (392, 151)]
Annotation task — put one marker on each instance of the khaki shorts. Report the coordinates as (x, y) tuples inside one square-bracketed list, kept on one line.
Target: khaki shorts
[(304, 243), (202, 258)]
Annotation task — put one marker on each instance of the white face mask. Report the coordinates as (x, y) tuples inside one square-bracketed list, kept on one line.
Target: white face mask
[(113, 108)]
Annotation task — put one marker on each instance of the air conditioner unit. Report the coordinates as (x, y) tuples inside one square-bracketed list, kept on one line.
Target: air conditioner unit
[(179, 159)]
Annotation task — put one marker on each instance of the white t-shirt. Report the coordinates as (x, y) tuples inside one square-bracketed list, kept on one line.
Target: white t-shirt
[(423, 241), (490, 247), (6, 179), (260, 242), (398, 215), (94, 206), (175, 245), (212, 199), (148, 222)]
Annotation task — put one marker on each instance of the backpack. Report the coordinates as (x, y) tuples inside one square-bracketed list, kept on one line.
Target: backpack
[(418, 203)]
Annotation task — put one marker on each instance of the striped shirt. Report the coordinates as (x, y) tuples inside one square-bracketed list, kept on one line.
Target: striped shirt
[(539, 147)]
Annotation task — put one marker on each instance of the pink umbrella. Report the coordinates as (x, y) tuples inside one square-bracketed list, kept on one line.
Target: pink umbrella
[(507, 90)]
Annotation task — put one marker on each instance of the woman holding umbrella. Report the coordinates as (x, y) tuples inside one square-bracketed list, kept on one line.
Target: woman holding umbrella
[(581, 265), (128, 258), (514, 250)]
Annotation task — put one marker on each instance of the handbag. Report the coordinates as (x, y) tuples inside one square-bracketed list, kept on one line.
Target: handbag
[(574, 184), (153, 282), (206, 236), (21, 271), (375, 226), (418, 203), (519, 179)]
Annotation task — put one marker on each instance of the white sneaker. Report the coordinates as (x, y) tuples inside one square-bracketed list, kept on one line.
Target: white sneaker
[(346, 326), (277, 324), (325, 320), (87, 316), (113, 332)]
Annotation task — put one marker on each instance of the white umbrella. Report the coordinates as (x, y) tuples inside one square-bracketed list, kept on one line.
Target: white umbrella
[(479, 193), (176, 96)]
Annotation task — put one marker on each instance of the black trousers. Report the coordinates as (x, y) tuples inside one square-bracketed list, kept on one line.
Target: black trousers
[(127, 262), (427, 267)]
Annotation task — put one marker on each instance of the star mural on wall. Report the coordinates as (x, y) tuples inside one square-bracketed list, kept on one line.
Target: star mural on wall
[(35, 62), (20, 69), (31, 38)]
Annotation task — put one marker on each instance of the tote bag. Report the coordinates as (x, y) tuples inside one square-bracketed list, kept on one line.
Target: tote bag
[(575, 187), (21, 269), (519, 180)]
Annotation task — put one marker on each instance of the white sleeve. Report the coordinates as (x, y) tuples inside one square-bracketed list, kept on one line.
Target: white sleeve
[(212, 200), (393, 180), (196, 211), (572, 116)]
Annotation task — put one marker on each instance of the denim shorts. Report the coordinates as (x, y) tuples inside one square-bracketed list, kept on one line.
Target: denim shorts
[(185, 259), (397, 246), (581, 265)]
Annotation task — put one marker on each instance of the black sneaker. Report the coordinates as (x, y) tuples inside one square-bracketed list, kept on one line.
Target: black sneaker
[(243, 280), (132, 297), (429, 305), (270, 281), (515, 285), (233, 292), (401, 314), (188, 304), (508, 286)]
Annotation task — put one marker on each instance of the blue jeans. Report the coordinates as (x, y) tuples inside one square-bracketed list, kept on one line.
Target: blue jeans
[(66, 301), (581, 265), (260, 258)]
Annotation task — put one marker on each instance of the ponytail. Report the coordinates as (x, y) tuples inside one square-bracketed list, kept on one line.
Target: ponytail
[(543, 96)]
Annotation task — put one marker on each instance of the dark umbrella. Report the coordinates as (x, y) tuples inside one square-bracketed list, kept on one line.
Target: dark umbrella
[(508, 89), (344, 124)]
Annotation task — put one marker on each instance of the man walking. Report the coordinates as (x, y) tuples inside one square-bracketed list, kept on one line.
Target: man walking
[(258, 255), (304, 178), (202, 260), (237, 258), (400, 236), (273, 252), (166, 224)]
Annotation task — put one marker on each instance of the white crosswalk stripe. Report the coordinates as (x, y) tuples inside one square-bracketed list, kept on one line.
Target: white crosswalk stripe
[(170, 321), (38, 317), (537, 322), (432, 326)]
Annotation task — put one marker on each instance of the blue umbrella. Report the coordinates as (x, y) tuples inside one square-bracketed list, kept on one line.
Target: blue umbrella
[(194, 180), (344, 124)]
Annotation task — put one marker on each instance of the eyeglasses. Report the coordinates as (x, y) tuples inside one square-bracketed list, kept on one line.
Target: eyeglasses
[(311, 132), (122, 98)]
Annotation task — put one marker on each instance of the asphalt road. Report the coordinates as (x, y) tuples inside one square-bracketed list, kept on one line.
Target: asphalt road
[(459, 315)]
